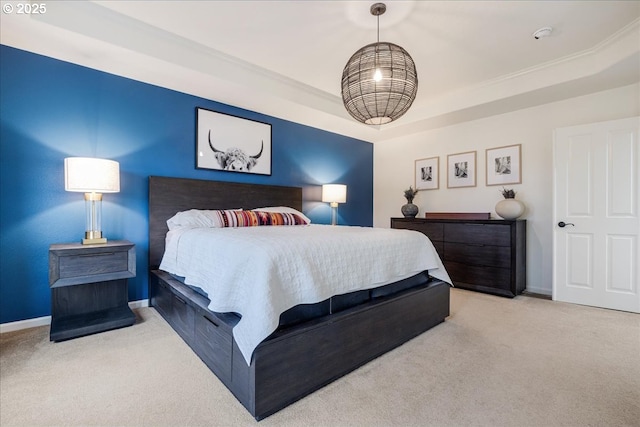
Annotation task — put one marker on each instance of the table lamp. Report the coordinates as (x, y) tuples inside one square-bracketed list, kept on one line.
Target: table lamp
[(92, 177), (334, 194)]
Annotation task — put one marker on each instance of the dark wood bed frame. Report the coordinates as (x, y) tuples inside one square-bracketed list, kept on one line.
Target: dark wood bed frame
[(295, 360)]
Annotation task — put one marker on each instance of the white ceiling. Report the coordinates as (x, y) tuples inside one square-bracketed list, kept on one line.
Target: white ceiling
[(285, 58)]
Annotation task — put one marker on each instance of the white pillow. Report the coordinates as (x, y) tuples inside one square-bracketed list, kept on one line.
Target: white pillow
[(196, 218), (284, 209)]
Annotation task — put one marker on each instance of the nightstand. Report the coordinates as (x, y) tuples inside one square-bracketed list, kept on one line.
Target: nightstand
[(89, 291)]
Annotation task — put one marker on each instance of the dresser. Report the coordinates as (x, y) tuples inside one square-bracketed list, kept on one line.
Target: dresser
[(480, 255), (89, 291)]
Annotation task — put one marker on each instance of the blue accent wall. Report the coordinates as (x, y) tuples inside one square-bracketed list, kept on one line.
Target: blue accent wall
[(52, 109)]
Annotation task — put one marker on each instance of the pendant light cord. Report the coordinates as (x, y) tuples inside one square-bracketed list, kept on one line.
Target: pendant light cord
[(377, 44)]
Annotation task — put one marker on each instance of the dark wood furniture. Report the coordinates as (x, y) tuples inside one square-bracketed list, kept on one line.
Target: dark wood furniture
[(481, 255), (303, 355), (89, 290), (457, 215)]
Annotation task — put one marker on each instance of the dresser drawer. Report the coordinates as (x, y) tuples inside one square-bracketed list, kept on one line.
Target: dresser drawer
[(433, 231), (478, 234), (482, 255), (488, 277)]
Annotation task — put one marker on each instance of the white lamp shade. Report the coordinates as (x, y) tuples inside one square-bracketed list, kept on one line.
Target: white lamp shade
[(334, 193), (91, 175)]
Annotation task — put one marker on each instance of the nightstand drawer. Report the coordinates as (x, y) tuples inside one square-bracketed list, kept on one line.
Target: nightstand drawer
[(92, 264), (73, 264)]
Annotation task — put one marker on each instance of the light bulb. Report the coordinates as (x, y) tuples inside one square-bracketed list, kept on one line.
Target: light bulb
[(377, 75)]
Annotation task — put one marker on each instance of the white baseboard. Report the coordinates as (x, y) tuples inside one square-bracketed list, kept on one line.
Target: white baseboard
[(537, 290), (25, 324), (139, 304), (46, 320)]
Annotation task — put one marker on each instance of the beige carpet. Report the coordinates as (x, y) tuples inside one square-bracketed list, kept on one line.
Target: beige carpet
[(494, 362)]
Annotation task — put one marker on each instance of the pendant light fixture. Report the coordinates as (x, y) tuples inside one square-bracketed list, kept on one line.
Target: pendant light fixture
[(380, 81)]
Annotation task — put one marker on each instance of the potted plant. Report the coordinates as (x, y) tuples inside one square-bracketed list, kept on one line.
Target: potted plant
[(409, 210), (509, 208), (508, 193)]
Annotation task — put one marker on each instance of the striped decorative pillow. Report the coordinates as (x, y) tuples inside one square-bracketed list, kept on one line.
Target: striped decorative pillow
[(232, 218), (254, 218), (229, 218), (279, 218)]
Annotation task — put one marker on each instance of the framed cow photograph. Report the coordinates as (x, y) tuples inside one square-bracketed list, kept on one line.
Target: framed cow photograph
[(229, 143)]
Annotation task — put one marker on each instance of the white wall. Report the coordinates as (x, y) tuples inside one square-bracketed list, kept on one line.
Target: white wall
[(533, 128)]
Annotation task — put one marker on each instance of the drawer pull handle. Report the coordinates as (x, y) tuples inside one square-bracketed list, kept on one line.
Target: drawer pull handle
[(180, 299), (210, 321), (100, 254)]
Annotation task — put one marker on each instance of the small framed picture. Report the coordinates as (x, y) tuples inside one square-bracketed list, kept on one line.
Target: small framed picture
[(427, 173), (504, 165), (461, 170)]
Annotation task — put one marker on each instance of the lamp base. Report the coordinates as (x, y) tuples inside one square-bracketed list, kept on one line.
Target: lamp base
[(94, 241), (334, 213), (93, 238)]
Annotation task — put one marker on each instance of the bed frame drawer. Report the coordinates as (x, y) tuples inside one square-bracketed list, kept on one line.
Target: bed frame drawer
[(184, 318), (213, 345), (162, 299), (174, 307)]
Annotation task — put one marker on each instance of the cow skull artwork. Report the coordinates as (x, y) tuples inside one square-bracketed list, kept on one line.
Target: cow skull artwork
[(233, 142), (235, 159)]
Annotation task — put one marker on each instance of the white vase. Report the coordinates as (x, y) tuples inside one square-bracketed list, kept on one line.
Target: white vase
[(510, 208)]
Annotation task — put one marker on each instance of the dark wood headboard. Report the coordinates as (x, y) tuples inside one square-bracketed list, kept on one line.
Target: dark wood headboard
[(168, 196)]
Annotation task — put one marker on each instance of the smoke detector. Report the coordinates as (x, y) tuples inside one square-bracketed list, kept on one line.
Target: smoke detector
[(542, 32)]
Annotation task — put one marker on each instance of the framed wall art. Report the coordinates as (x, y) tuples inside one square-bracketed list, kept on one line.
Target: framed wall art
[(504, 165), (229, 143), (461, 170), (427, 172)]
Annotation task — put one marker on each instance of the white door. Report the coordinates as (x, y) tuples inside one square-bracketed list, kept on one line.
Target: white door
[(596, 192)]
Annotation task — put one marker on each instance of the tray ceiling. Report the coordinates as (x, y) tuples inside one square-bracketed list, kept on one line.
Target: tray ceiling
[(285, 58)]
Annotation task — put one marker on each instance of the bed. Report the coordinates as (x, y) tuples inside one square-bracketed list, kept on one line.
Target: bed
[(313, 343)]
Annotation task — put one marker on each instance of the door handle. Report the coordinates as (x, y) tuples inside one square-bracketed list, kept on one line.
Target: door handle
[(563, 224)]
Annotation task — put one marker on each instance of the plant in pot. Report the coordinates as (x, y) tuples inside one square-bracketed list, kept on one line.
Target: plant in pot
[(409, 210), (509, 208)]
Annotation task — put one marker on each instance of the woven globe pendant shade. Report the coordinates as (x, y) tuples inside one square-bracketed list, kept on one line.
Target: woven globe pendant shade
[(380, 81)]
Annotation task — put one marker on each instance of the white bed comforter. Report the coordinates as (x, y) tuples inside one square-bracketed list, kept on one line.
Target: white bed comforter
[(260, 272)]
